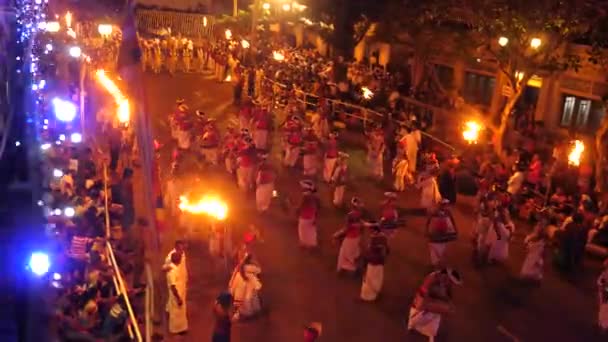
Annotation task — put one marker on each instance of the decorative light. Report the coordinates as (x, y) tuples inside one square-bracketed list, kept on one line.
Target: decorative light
[(49, 47), (42, 25), (62, 137), (574, 157), (40, 263), (57, 173), (56, 276), (245, 44), (503, 41), (57, 212), (17, 143), (367, 94), (535, 43), (45, 146), (278, 56), (204, 21), (53, 26), (471, 132), (75, 52), (41, 84), (76, 138), (104, 29), (209, 205), (286, 7), (64, 110), (266, 6), (68, 19), (69, 212), (228, 34)]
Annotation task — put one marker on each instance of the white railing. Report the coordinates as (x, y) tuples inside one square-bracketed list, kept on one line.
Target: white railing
[(119, 283), (190, 25)]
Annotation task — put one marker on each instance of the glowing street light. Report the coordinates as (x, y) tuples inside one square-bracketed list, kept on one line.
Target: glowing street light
[(228, 34), (503, 41), (574, 157), (535, 43), (286, 7), (471, 132), (52, 26), (69, 212), (40, 263), (104, 29), (64, 110), (75, 52), (76, 138), (266, 6)]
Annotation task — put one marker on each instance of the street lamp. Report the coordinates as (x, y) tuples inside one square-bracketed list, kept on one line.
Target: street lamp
[(75, 52), (503, 41), (535, 43), (286, 7), (266, 6)]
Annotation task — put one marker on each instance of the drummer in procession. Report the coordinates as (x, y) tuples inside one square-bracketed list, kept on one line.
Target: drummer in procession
[(245, 164), (350, 237), (210, 141), (311, 151), (265, 180), (293, 145), (261, 124), (375, 152), (375, 257), (331, 156), (339, 178), (389, 216), (308, 213)]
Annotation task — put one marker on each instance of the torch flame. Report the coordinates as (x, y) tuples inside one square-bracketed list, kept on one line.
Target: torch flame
[(122, 103), (208, 205), (278, 56), (367, 94), (228, 78), (574, 158), (471, 132), (228, 34)]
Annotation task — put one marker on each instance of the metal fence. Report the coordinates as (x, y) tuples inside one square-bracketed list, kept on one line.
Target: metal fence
[(191, 25)]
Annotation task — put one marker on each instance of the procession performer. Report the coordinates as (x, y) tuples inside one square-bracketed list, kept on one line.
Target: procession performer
[(311, 149), (602, 287), (245, 162), (172, 60), (499, 236), (229, 149), (292, 150), (351, 238), (145, 56), (320, 125), (389, 216), (264, 184), (532, 268), (307, 215), (403, 177), (430, 196), (375, 152), (157, 63), (210, 142), (176, 117), (375, 258), (244, 286), (220, 244), (412, 140), (433, 299), (176, 303), (440, 230), (245, 115), (339, 178), (187, 55), (331, 156), (487, 207), (200, 60), (261, 123)]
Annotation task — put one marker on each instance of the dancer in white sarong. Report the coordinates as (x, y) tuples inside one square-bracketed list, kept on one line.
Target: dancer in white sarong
[(430, 195), (307, 215), (350, 249), (499, 236), (261, 123), (331, 157), (176, 303), (292, 149), (339, 178), (375, 153), (412, 142), (440, 230), (244, 287), (309, 160), (244, 171), (375, 258), (433, 300), (403, 177), (532, 267), (264, 185), (602, 287)]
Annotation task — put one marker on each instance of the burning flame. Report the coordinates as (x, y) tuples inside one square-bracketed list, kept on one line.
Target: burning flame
[(278, 56), (228, 78), (208, 205), (367, 94), (574, 158), (471, 132), (245, 44), (228, 34), (122, 103)]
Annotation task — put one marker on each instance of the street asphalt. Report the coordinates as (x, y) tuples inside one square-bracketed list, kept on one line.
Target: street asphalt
[(300, 286)]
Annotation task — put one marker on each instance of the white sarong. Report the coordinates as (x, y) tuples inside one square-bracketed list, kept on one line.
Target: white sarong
[(263, 196), (437, 250), (372, 282), (499, 249), (178, 319), (291, 155), (307, 232), (243, 175), (349, 252), (328, 168), (424, 322), (260, 139), (532, 267), (309, 164), (339, 195)]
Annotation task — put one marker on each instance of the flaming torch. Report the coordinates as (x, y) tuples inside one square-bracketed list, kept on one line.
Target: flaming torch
[(228, 34), (367, 94), (471, 132), (123, 109), (574, 158), (208, 205), (278, 56)]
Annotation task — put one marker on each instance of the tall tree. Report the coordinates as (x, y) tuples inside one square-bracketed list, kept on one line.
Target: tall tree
[(526, 38)]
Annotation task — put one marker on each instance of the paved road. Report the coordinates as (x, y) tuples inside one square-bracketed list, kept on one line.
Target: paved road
[(300, 287)]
